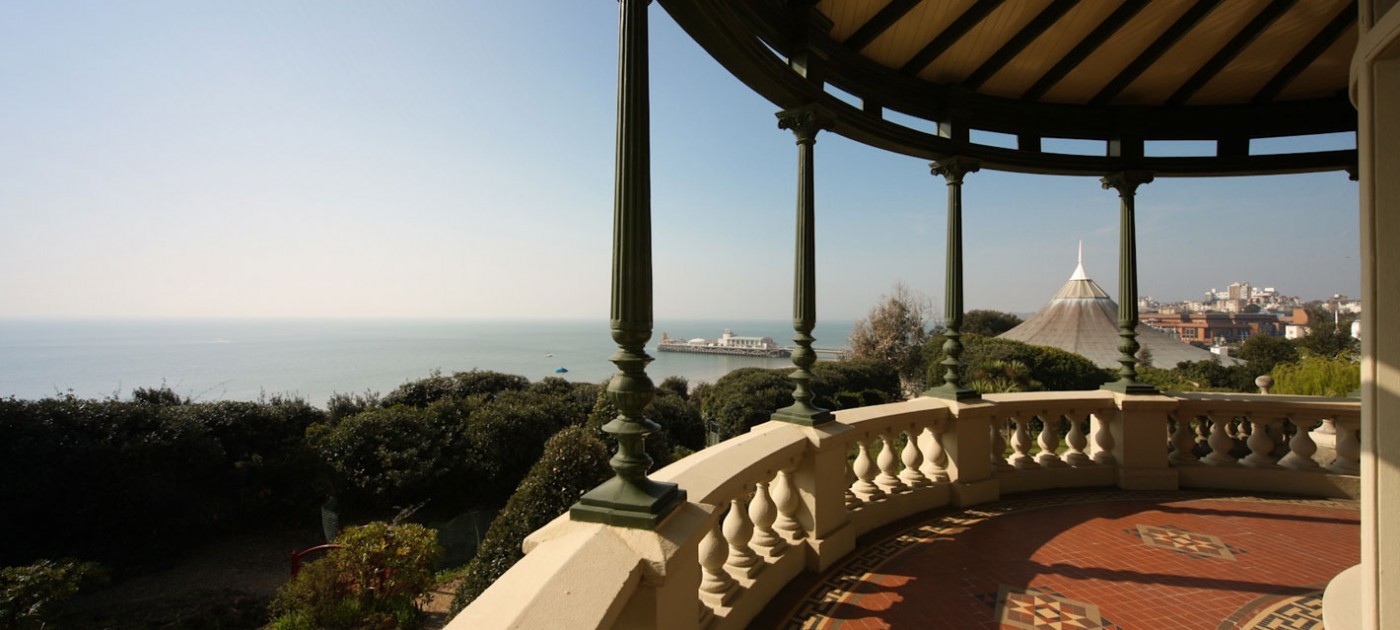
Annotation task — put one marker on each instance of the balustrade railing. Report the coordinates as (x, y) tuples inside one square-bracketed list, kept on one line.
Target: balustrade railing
[(784, 498)]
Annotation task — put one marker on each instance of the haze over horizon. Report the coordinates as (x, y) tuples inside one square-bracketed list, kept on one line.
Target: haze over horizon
[(455, 160)]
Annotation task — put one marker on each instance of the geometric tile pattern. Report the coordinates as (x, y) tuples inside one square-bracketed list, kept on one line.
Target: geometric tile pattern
[(1179, 540), (1302, 612), (1068, 565), (1033, 608)]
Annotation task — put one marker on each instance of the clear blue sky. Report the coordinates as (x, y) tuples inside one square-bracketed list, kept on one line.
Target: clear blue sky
[(454, 159)]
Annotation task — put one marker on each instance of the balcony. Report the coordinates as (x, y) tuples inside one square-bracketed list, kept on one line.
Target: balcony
[(798, 505)]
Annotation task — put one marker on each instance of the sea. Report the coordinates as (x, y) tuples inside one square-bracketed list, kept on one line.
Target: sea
[(252, 359)]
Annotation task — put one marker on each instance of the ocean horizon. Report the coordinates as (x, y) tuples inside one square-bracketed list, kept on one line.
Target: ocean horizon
[(212, 359)]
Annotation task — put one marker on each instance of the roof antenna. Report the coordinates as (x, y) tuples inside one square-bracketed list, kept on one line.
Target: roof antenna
[(1079, 271)]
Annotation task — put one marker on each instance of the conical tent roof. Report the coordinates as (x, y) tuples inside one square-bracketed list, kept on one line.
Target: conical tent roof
[(1082, 319)]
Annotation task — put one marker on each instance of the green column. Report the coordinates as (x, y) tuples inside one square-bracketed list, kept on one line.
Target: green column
[(630, 499), (1126, 183), (804, 123), (953, 169)]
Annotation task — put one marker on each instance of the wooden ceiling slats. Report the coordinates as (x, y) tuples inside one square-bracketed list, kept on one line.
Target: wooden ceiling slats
[(881, 22), (1160, 46), (1084, 48), (1018, 42), (1243, 38), (965, 22), (1308, 54)]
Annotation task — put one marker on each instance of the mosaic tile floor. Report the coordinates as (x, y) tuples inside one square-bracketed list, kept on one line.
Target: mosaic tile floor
[(1110, 560)]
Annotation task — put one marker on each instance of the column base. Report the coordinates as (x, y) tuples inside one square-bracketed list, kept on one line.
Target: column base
[(803, 414), (642, 504), (952, 392), (1129, 387)]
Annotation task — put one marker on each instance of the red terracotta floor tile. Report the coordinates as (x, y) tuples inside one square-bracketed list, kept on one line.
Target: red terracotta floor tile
[(1115, 560)]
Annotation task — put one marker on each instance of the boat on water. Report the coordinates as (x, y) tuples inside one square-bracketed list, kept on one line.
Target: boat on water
[(728, 343)]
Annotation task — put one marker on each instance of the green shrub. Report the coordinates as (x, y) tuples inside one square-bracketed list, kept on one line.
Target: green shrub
[(506, 435), (1052, 369), (394, 456), (426, 391), (748, 397), (118, 481), (573, 463), (27, 593), (1317, 376), (374, 580)]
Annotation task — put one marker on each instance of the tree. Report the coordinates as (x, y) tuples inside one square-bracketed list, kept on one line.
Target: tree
[(1329, 334), (1263, 352), (1318, 376), (573, 462), (1050, 368), (893, 332), (988, 323)]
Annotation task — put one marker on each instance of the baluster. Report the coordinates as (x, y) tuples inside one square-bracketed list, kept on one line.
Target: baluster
[(852, 501), (1260, 445), (935, 467), (1202, 437), (1220, 445), (1103, 440), (763, 513), (1077, 442), (1300, 449), (738, 530), (1183, 443), (888, 478), (785, 497), (998, 452), (865, 474), (1049, 441), (912, 476), (717, 588), (1021, 443), (1348, 460)]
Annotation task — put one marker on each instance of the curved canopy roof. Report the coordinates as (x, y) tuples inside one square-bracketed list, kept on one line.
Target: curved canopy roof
[(1082, 319), (1123, 72)]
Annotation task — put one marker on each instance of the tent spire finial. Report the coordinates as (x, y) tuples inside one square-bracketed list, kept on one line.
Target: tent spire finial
[(1079, 271)]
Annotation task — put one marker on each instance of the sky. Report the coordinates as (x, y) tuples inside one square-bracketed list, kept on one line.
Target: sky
[(454, 159)]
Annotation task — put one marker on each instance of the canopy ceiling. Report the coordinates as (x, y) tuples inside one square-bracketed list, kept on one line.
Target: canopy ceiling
[(1123, 72)]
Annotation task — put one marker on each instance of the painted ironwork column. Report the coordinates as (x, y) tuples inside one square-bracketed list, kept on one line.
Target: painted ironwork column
[(630, 499), (1126, 183), (953, 169), (804, 123)]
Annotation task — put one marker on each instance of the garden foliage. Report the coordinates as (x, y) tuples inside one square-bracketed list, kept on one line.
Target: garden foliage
[(375, 580), (573, 462)]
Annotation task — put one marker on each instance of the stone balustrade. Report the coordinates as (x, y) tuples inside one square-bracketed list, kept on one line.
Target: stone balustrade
[(786, 499)]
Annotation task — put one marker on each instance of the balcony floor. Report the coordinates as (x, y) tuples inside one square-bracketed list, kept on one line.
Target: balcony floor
[(1097, 559)]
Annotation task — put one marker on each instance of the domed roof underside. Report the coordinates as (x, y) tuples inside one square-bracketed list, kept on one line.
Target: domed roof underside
[(1123, 72)]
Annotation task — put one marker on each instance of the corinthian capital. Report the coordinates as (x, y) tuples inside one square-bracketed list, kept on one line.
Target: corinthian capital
[(804, 122)]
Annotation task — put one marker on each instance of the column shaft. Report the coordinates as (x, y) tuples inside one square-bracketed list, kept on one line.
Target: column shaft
[(630, 499), (804, 123), (1126, 184), (953, 169)]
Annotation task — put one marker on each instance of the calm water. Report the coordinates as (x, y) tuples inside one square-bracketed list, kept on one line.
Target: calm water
[(212, 359)]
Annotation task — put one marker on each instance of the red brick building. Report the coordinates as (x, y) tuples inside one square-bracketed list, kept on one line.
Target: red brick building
[(1213, 328)]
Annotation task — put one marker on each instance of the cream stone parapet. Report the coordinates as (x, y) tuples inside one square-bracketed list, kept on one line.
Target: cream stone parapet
[(785, 499)]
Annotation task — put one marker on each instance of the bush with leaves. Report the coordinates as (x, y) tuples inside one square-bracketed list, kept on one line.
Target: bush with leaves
[(573, 462), (374, 580), (426, 391), (1054, 369), (893, 332), (988, 323), (505, 437), (118, 481), (391, 457), (1318, 376), (28, 593), (747, 397)]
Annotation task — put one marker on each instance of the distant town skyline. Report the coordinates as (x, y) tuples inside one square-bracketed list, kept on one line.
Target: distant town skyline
[(455, 160)]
